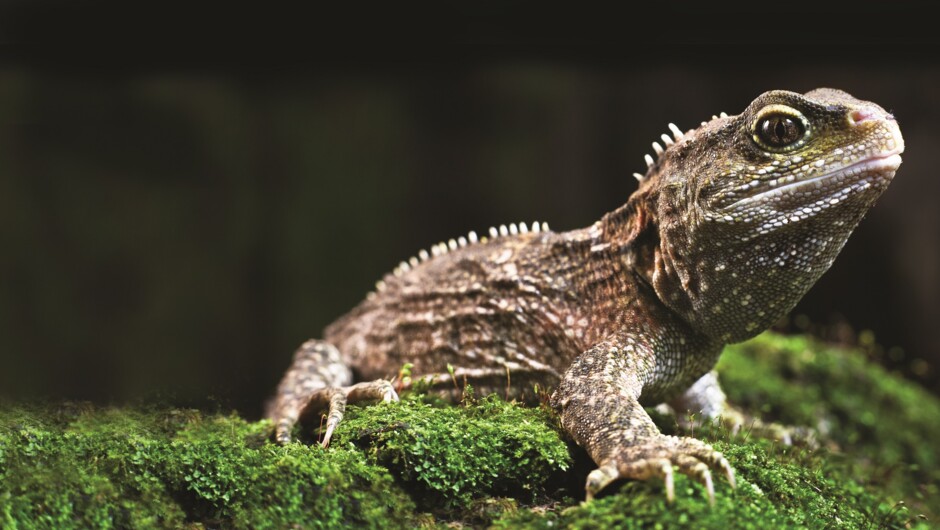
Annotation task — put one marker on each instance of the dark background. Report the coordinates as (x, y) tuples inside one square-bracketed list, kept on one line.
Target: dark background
[(186, 193)]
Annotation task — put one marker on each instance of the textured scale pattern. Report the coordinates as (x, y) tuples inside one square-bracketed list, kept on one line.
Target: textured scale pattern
[(732, 223)]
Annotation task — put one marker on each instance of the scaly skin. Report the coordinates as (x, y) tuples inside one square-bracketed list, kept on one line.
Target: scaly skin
[(731, 225)]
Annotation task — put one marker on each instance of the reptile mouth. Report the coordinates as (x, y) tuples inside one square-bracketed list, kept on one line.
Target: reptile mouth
[(835, 183)]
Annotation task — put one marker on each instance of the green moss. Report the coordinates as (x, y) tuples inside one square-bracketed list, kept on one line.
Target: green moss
[(453, 455), (113, 468), (482, 462), (775, 490), (877, 468), (82, 467), (882, 428)]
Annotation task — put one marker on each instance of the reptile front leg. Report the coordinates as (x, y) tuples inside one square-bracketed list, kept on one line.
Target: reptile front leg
[(598, 401)]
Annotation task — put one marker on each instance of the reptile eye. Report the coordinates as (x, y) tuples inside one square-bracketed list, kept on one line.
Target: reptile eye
[(780, 130)]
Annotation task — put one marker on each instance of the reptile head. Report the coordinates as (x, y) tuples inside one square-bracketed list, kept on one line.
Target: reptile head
[(752, 209)]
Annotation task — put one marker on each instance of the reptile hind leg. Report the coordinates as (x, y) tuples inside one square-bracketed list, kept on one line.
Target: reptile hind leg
[(706, 401), (316, 380), (380, 389)]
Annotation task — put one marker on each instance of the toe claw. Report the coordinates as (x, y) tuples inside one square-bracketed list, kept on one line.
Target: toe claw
[(688, 456), (282, 430), (699, 471), (669, 481), (599, 479), (729, 472), (706, 479), (330, 426)]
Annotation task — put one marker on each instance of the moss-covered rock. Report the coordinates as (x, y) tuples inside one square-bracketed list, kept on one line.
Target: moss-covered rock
[(877, 467), (67, 467), (777, 488), (483, 462), (885, 431), (452, 455)]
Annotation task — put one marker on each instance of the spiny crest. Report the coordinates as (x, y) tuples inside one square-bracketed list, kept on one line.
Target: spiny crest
[(453, 244), (668, 141), (677, 135)]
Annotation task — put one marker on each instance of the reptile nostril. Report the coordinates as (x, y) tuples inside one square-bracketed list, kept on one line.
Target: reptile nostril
[(859, 115)]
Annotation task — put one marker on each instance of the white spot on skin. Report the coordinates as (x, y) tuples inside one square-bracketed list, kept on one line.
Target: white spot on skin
[(503, 257)]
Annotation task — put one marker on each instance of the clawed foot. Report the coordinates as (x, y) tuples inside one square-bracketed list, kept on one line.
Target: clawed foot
[(739, 422), (656, 458), (785, 434), (705, 401), (335, 400)]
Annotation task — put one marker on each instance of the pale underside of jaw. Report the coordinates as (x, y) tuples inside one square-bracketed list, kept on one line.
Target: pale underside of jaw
[(858, 174)]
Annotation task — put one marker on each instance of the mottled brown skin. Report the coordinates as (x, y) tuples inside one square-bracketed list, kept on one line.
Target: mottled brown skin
[(731, 225)]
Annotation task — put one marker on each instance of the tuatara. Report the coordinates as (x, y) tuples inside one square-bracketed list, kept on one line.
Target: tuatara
[(732, 223)]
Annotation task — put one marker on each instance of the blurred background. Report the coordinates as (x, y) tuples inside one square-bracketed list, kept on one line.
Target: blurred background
[(186, 194)]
